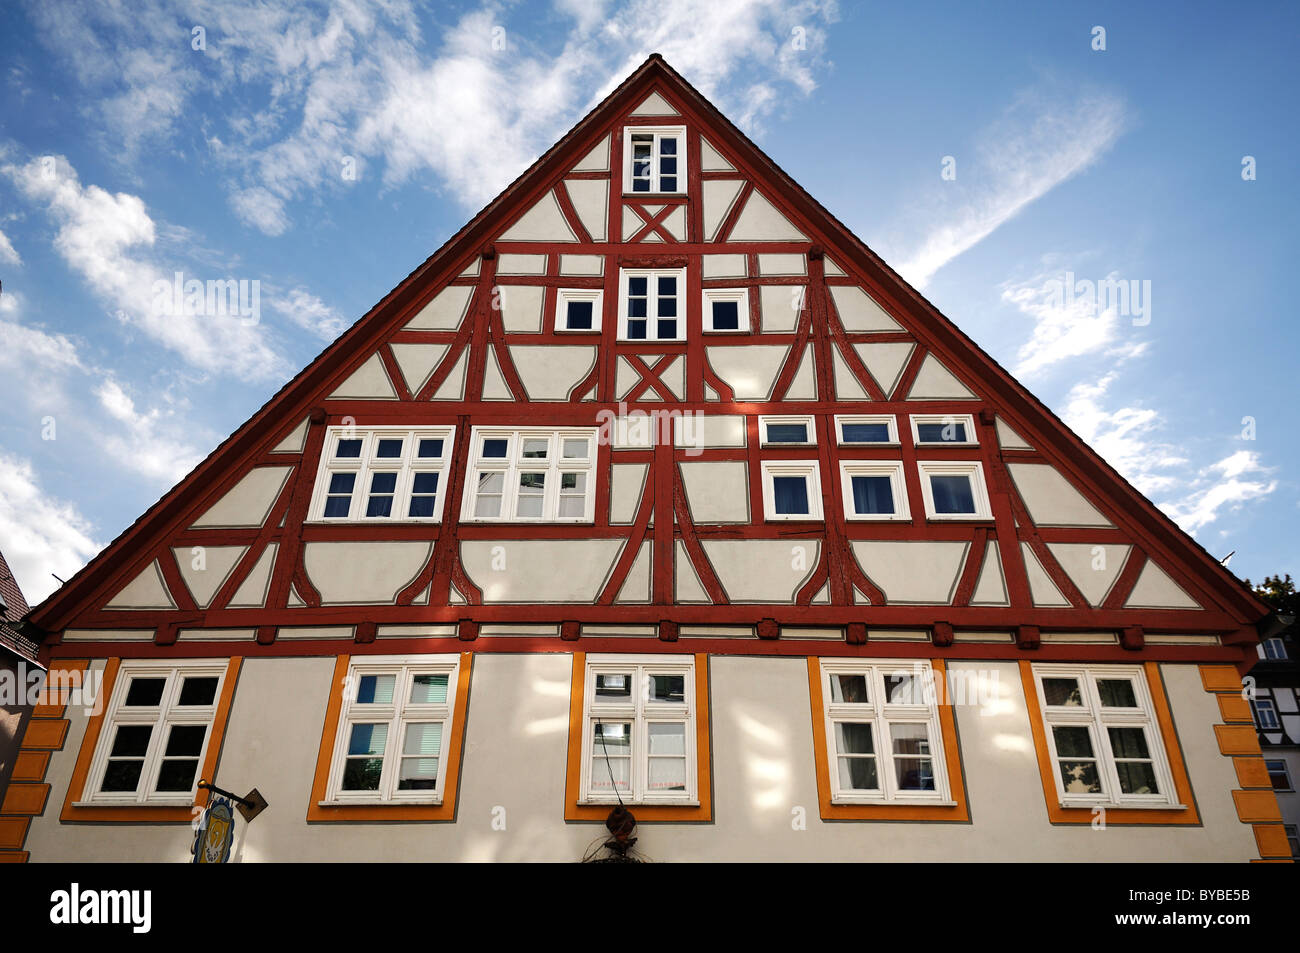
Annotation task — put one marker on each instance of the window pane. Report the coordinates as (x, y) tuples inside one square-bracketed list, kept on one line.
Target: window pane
[(122, 776), (348, 448), (375, 689), (638, 285), (532, 489), (952, 432), (131, 741), (668, 183), (1136, 777), (667, 739), (198, 691), (1116, 693), (636, 329), (864, 433), (1072, 741), (952, 494), (667, 287), (611, 763), (668, 688), (429, 448), (429, 690), (145, 692), (873, 495), (186, 740), (418, 774), (911, 747), (579, 316), (726, 315), (904, 689), (791, 495), (362, 774), (487, 501), (853, 738), (367, 739), (849, 688), (424, 494), (668, 146), (666, 774), (535, 448), (1062, 693), (1128, 742), (495, 447), (666, 330), (389, 448), (910, 739), (613, 686), (576, 448), (858, 774), (787, 433), (1080, 777), (176, 774), (423, 739)]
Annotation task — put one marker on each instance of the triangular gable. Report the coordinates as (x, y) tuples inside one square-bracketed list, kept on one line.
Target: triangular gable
[(761, 204)]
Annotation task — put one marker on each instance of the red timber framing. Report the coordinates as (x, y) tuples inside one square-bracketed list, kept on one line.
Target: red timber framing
[(836, 593)]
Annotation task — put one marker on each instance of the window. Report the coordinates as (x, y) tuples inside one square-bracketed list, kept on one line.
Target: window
[(382, 474), (1274, 649), (156, 733), (1104, 744), (1293, 838), (882, 732), (578, 309), (792, 490), (958, 429), (639, 730), (876, 429), (654, 159), (651, 308), (1279, 775), (394, 723), (777, 431), (531, 474), (726, 310), (1265, 714), (874, 490), (954, 490)]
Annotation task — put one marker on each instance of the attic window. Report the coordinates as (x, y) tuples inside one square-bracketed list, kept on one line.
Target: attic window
[(949, 429), (726, 310), (652, 305), (578, 309), (654, 159)]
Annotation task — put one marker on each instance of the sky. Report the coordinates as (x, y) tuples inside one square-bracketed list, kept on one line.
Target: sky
[(1019, 164)]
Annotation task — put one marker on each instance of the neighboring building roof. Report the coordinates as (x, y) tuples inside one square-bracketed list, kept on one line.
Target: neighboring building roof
[(13, 606)]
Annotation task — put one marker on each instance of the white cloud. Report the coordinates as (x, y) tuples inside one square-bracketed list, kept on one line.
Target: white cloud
[(1033, 148), (152, 444), (109, 240), (8, 254), (1129, 439), (259, 208), (310, 312), (24, 348), (40, 534), (1067, 326)]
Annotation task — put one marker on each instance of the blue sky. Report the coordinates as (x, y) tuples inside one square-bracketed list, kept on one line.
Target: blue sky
[(127, 155)]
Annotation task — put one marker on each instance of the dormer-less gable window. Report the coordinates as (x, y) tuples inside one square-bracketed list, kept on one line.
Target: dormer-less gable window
[(654, 159)]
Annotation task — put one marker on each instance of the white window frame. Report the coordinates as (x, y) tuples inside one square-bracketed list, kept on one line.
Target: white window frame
[(898, 486), (805, 419), (641, 712), (1273, 650), (1286, 775), (397, 715), (967, 420), (738, 295), (652, 300), (660, 133), (881, 714), (1271, 708), (514, 463), (810, 470), (367, 464), (1097, 719), (565, 295), (889, 420), (161, 718), (979, 489)]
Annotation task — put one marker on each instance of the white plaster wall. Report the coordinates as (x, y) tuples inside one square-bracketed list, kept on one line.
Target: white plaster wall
[(763, 777)]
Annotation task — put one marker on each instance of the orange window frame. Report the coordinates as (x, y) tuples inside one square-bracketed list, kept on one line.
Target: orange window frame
[(1184, 816), (73, 811), (958, 812), (574, 810), (446, 811)]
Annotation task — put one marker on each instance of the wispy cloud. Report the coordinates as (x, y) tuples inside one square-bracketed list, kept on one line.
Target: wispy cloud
[(311, 313), (1068, 326), (110, 240), (41, 534), (8, 254), (1223, 490), (1037, 144), (151, 443)]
